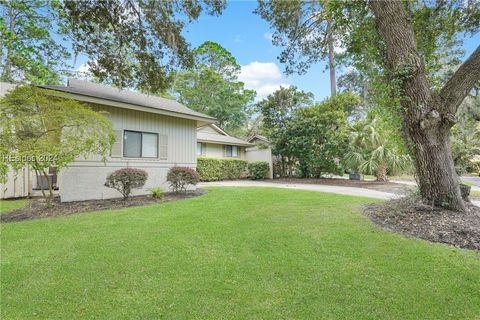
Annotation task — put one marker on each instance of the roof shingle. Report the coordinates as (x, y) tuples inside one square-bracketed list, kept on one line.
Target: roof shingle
[(86, 88)]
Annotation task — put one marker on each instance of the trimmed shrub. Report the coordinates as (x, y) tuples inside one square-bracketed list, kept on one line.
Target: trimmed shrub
[(211, 169), (181, 177), (258, 170), (126, 179)]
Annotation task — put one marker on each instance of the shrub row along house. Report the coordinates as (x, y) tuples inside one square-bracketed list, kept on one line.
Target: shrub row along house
[(152, 133)]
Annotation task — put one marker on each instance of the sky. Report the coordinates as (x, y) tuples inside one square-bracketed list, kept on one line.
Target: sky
[(247, 37)]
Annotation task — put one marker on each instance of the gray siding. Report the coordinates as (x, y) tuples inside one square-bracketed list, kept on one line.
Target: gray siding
[(84, 178), (181, 133)]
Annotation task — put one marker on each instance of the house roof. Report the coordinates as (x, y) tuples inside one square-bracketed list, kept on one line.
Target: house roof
[(220, 138), (259, 137), (218, 129), (110, 94)]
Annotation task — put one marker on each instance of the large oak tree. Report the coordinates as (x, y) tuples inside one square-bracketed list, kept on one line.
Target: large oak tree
[(399, 40)]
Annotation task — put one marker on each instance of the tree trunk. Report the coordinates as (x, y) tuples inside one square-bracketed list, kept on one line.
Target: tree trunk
[(428, 117), (331, 59), (381, 173)]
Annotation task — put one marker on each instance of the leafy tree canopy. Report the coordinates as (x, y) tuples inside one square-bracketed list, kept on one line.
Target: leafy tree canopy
[(212, 55), (301, 29), (211, 87), (318, 135), (39, 130), (135, 43), (28, 49), (280, 106)]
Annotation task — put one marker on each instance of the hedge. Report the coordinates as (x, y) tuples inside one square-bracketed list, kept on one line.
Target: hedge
[(211, 169), (258, 170)]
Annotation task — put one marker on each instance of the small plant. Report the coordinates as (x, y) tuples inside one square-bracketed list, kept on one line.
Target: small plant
[(258, 170), (157, 193), (126, 179), (181, 177)]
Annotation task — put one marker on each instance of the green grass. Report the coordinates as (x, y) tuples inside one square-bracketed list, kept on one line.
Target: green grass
[(475, 193), (9, 205), (235, 253)]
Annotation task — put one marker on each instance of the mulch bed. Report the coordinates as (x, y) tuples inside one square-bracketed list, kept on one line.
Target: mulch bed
[(390, 187), (38, 210), (409, 217)]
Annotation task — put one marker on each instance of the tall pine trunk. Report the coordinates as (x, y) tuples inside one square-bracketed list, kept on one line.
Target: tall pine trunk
[(331, 59), (428, 116)]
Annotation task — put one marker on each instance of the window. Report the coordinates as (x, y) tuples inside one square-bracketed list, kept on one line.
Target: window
[(201, 148), (231, 151), (140, 144)]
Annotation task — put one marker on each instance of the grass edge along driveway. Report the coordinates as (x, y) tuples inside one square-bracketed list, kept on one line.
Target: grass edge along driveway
[(232, 253)]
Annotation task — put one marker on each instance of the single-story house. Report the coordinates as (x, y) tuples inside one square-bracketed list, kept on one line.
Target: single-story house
[(153, 134), (214, 142), (261, 151)]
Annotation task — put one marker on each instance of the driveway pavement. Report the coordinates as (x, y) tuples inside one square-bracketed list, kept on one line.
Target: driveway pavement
[(475, 181), (350, 191)]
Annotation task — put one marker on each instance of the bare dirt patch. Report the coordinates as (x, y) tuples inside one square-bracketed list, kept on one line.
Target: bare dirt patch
[(434, 224), (37, 209), (391, 187)]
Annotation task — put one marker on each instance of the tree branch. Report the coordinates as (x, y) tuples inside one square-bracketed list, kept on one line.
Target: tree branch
[(461, 83)]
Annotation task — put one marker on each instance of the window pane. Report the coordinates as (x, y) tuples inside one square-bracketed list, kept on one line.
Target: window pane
[(132, 144), (234, 151), (228, 151), (150, 145), (199, 149)]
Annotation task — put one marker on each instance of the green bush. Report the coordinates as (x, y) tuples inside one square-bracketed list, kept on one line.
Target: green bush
[(258, 170), (126, 179), (157, 192), (211, 169), (181, 177)]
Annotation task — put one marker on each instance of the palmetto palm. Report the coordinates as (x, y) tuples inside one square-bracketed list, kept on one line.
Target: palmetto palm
[(371, 151)]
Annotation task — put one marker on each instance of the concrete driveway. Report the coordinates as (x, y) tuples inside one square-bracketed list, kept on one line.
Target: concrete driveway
[(475, 181), (350, 191)]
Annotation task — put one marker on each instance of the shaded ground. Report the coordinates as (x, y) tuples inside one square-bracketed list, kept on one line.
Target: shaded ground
[(391, 187), (36, 208), (434, 224)]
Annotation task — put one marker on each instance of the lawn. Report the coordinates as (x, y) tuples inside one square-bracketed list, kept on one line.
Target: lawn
[(9, 205), (234, 253)]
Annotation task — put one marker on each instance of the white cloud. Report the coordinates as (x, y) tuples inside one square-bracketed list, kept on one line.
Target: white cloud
[(82, 72), (263, 77), (268, 36), (339, 48)]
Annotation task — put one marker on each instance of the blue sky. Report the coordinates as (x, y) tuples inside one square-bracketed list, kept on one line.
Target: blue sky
[(245, 35)]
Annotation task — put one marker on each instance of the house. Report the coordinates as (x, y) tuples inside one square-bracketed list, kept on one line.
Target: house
[(261, 151), (213, 142), (152, 133)]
